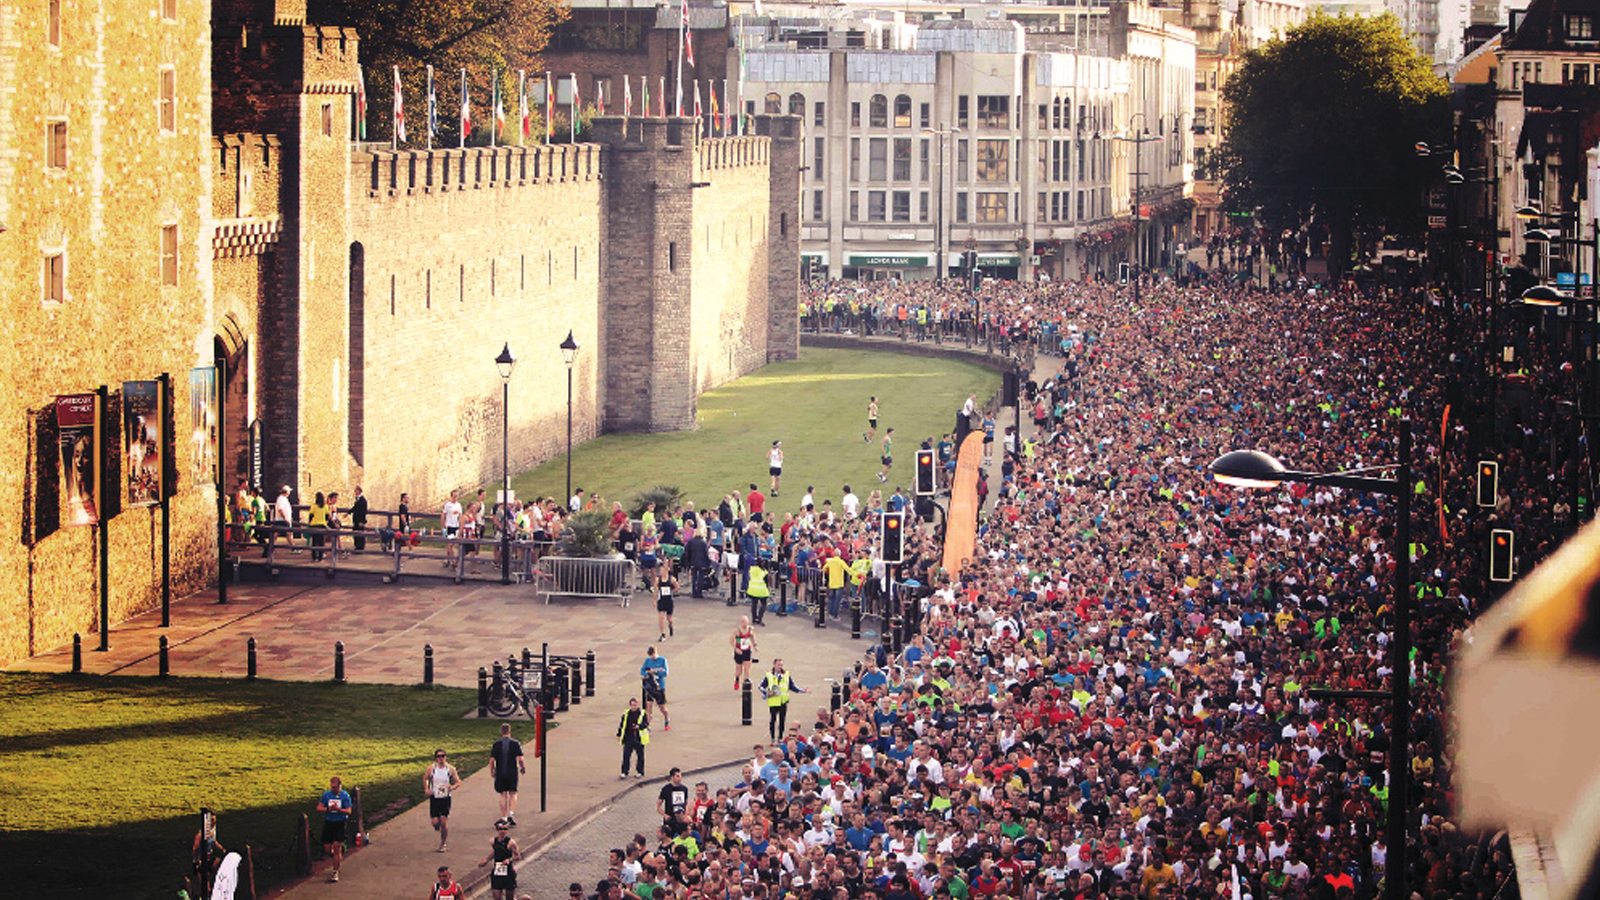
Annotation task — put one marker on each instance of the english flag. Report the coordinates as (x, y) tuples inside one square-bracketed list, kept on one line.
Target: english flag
[(466, 109), (399, 110)]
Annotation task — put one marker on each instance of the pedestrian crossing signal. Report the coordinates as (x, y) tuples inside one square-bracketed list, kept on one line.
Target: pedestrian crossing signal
[(893, 537), (1488, 483), (925, 474), (1502, 545)]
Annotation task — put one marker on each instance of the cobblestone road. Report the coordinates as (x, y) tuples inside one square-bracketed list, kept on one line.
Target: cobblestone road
[(581, 855)]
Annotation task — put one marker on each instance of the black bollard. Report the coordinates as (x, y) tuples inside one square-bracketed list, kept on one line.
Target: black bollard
[(837, 700), (250, 660), (577, 682), (783, 596), (77, 654), (483, 693), (527, 660), (588, 674), (744, 704), (855, 619), (338, 661), (822, 610), (427, 664), (847, 687), (163, 666)]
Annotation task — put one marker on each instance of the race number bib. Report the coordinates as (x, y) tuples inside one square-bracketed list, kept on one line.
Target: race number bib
[(441, 790), (502, 868)]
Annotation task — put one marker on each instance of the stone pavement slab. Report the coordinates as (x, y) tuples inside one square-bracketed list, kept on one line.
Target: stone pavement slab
[(384, 629)]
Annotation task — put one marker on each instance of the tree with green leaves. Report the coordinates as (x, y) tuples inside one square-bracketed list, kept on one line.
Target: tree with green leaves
[(1322, 125), (485, 37)]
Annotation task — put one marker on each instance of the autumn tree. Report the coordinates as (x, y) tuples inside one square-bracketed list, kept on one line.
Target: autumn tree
[(482, 36), (1322, 124)]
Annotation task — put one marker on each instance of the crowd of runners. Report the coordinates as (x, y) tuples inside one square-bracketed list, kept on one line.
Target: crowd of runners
[(1112, 699)]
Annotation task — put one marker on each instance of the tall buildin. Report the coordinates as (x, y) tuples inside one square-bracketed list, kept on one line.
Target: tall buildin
[(949, 135), (105, 165)]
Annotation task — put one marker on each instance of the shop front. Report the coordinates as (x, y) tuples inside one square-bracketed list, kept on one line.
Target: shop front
[(886, 266)]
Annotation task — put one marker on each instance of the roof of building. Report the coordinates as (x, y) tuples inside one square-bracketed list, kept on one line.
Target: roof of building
[(1545, 25)]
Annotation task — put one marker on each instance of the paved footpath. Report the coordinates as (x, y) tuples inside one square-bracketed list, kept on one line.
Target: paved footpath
[(580, 855), (384, 627)]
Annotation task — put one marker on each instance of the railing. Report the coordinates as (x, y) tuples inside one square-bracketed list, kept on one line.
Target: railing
[(580, 577), (460, 557)]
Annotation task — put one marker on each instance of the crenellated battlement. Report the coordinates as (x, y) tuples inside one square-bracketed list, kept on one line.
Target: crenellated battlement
[(714, 154), (396, 173)]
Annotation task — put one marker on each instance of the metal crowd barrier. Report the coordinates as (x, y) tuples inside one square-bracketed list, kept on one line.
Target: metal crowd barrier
[(598, 578)]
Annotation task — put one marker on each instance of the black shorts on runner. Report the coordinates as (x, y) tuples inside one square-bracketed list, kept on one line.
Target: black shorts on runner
[(741, 656), (506, 782), (438, 807), (332, 832), (664, 604), (872, 423), (888, 460), (774, 471), (654, 694)]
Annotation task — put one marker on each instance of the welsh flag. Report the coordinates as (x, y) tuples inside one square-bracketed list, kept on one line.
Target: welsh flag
[(361, 104)]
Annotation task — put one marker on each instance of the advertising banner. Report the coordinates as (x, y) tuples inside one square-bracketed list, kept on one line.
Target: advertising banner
[(143, 441), (78, 421), (203, 418)]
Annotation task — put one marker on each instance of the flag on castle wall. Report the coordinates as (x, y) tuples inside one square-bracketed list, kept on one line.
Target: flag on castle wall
[(466, 109), (711, 89), (573, 138), (399, 110), (549, 107), (727, 110), (688, 36), (433, 110), (699, 117), (627, 96), (522, 105), (600, 98), (663, 103), (499, 114), (361, 104)]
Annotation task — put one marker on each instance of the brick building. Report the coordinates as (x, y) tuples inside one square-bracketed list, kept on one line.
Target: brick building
[(199, 201)]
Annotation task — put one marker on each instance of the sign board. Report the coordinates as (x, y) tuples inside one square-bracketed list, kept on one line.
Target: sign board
[(1570, 279), (1436, 221), (999, 259), (887, 260)]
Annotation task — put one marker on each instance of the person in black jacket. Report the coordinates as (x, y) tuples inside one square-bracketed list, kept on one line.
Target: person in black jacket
[(697, 555), (358, 518)]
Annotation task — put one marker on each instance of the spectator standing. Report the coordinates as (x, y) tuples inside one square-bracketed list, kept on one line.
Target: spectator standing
[(633, 732), (775, 465), (335, 808), (450, 521), (317, 519), (358, 518), (776, 687), (507, 766)]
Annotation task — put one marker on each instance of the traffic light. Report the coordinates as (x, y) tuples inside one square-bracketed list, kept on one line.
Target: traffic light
[(1501, 545), (1122, 273), (976, 276), (926, 484), (1488, 482), (893, 537)]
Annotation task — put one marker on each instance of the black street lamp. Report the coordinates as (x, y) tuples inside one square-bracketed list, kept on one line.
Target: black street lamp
[(1138, 141), (569, 352), (1254, 469), (505, 362)]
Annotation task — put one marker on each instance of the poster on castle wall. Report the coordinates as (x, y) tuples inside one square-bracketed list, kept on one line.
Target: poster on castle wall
[(203, 418), (78, 422), (143, 441)]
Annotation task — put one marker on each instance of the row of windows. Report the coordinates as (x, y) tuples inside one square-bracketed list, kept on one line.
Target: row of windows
[(54, 266), (985, 206), (52, 17), (890, 159)]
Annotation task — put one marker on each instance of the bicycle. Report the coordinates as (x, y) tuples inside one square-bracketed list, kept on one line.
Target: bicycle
[(510, 694)]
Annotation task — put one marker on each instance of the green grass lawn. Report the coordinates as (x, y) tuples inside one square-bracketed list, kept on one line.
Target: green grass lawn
[(815, 405), (103, 778)]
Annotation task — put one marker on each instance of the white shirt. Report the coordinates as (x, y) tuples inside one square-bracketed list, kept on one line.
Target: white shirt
[(851, 504), (283, 510), (452, 514)]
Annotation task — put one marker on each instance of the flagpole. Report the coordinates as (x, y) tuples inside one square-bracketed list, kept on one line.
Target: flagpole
[(433, 122), (465, 122), (522, 105), (683, 26), (549, 106), (572, 124), (394, 130)]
